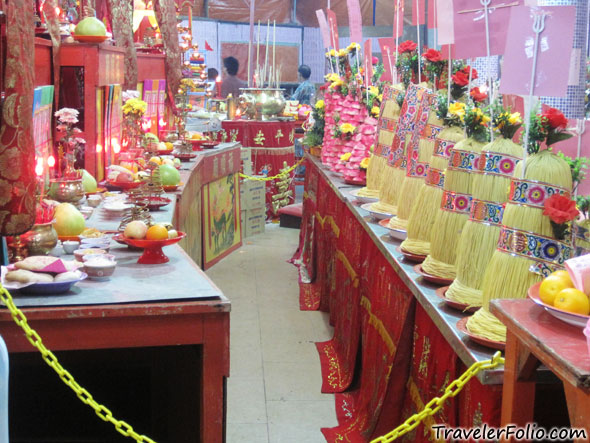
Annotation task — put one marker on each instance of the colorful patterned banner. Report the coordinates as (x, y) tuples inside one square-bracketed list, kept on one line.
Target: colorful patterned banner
[(166, 15), (497, 164), (486, 212), (435, 177), (456, 202), (443, 148), (464, 161), (533, 193), (533, 246)]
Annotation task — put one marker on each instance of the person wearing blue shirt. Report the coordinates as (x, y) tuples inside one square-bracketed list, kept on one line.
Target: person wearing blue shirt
[(306, 90)]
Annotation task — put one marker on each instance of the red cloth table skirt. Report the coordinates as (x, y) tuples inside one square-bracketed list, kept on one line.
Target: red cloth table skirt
[(405, 360), (271, 144)]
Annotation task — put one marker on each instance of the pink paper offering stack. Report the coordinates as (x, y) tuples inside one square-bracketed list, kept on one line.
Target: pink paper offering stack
[(354, 172), (329, 155)]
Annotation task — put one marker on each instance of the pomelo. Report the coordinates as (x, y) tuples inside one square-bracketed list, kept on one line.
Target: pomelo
[(68, 220), (169, 174), (88, 181), (90, 26)]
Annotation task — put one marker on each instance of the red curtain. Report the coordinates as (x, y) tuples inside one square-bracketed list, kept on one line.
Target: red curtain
[(17, 151), (121, 18), (166, 15)]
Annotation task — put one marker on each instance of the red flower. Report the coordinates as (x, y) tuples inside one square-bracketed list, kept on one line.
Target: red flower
[(560, 209), (477, 95), (466, 69), (407, 46), (555, 118), (375, 61), (432, 55), (460, 78)]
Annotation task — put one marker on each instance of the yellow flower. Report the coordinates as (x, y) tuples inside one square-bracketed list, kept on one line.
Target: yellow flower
[(319, 104), (345, 157), (364, 163), (336, 83), (347, 128), (343, 53), (457, 109), (332, 77), (353, 46), (375, 111), (514, 118), (380, 97), (374, 90)]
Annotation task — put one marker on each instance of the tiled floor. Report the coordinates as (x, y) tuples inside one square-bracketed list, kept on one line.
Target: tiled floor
[(274, 386)]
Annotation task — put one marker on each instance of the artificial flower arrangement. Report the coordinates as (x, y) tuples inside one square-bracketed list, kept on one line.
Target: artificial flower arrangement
[(476, 122), (435, 68), (460, 80), (549, 127), (315, 124), (345, 131), (70, 144), (408, 62), (133, 111), (505, 122), (451, 115), (477, 95), (365, 163)]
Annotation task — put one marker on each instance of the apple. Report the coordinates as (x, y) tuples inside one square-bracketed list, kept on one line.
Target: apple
[(90, 26), (136, 229)]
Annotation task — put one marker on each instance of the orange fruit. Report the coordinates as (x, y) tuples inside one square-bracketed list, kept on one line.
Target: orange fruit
[(157, 232), (562, 273), (573, 300), (552, 286)]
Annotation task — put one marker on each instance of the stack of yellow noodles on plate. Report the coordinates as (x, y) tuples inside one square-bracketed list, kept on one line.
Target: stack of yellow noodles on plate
[(480, 234), (396, 166), (428, 200), (428, 126), (388, 117), (454, 209), (508, 273)]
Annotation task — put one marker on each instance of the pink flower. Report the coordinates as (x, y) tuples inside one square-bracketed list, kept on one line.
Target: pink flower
[(67, 115)]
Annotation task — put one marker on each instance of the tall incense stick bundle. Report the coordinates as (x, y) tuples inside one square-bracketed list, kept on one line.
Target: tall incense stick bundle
[(388, 118), (480, 235), (417, 171), (454, 210), (508, 275), (428, 200)]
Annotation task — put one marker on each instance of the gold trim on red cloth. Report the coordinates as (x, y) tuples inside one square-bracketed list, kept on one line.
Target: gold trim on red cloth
[(334, 371), (17, 150), (121, 12), (166, 15), (351, 272), (419, 404), (330, 220)]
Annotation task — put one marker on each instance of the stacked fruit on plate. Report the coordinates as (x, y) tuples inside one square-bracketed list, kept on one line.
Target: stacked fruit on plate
[(558, 290), (138, 230)]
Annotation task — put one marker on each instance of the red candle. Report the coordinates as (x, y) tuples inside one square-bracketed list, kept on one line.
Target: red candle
[(218, 86)]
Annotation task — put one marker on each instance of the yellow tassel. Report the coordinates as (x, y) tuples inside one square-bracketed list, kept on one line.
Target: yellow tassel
[(479, 240), (448, 225), (507, 275), (411, 185), (427, 202)]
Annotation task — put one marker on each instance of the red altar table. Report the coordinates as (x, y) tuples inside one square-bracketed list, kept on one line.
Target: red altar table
[(535, 337), (408, 341), (271, 144)]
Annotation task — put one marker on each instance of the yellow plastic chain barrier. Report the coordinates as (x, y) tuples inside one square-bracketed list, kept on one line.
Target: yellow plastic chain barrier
[(274, 177), (436, 403), (84, 396)]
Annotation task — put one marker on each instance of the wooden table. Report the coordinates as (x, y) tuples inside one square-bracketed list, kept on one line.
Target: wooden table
[(535, 337), (135, 328)]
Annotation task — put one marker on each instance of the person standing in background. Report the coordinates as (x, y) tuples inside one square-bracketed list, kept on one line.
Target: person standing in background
[(231, 83), (306, 90)]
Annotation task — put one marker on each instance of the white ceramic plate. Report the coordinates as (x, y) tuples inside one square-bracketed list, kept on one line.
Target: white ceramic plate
[(116, 206), (569, 317), (375, 214), (361, 198)]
